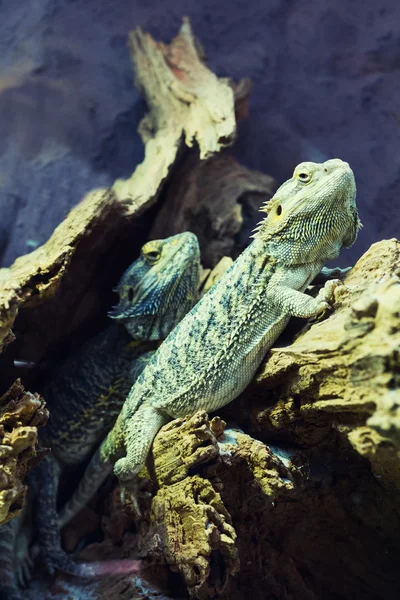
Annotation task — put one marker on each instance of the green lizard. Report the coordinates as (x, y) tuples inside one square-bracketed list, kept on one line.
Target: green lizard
[(214, 352), (87, 391)]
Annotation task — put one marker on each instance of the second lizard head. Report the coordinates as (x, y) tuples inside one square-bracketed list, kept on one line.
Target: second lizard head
[(159, 288), (313, 214)]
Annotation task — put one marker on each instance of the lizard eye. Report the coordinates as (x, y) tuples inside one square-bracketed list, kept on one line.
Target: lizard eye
[(151, 256), (130, 294), (303, 176), (279, 210)]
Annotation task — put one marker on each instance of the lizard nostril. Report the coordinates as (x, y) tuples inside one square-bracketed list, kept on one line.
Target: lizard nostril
[(130, 294)]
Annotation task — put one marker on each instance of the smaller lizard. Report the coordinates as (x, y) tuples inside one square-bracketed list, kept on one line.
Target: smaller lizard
[(214, 352), (87, 391)]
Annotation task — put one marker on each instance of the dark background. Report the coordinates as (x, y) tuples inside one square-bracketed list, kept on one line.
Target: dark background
[(326, 84)]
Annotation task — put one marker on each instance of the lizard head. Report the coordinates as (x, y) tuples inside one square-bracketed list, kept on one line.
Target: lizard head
[(159, 288), (313, 214)]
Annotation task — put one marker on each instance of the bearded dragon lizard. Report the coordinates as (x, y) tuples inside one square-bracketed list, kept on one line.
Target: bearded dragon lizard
[(214, 352), (88, 390)]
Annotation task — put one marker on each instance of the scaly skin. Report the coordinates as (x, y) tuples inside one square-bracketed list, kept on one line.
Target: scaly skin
[(87, 391), (214, 352)]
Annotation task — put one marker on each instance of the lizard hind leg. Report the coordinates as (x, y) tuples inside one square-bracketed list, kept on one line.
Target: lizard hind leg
[(44, 480), (139, 432), (95, 474), (9, 584), (23, 557)]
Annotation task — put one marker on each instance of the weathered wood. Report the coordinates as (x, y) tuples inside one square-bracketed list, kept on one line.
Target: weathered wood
[(186, 101), (21, 413), (219, 200), (60, 283), (344, 371)]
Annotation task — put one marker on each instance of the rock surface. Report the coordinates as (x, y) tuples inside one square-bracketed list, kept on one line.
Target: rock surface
[(325, 84)]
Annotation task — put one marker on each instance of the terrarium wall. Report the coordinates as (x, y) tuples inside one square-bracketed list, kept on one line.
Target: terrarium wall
[(325, 84)]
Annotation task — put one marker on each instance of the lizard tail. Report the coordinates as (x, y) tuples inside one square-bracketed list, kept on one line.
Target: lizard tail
[(100, 466), (9, 586), (96, 472)]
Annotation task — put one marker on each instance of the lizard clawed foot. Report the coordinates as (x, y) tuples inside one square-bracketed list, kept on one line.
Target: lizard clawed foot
[(326, 296), (55, 559), (24, 559), (327, 293), (128, 485), (129, 495), (23, 570)]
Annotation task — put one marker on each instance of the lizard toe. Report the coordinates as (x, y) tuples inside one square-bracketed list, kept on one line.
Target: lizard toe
[(328, 291), (122, 471), (24, 568), (129, 494), (58, 560), (323, 308)]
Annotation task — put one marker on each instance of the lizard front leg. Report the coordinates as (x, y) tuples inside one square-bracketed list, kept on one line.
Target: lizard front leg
[(140, 429), (133, 432), (298, 304)]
